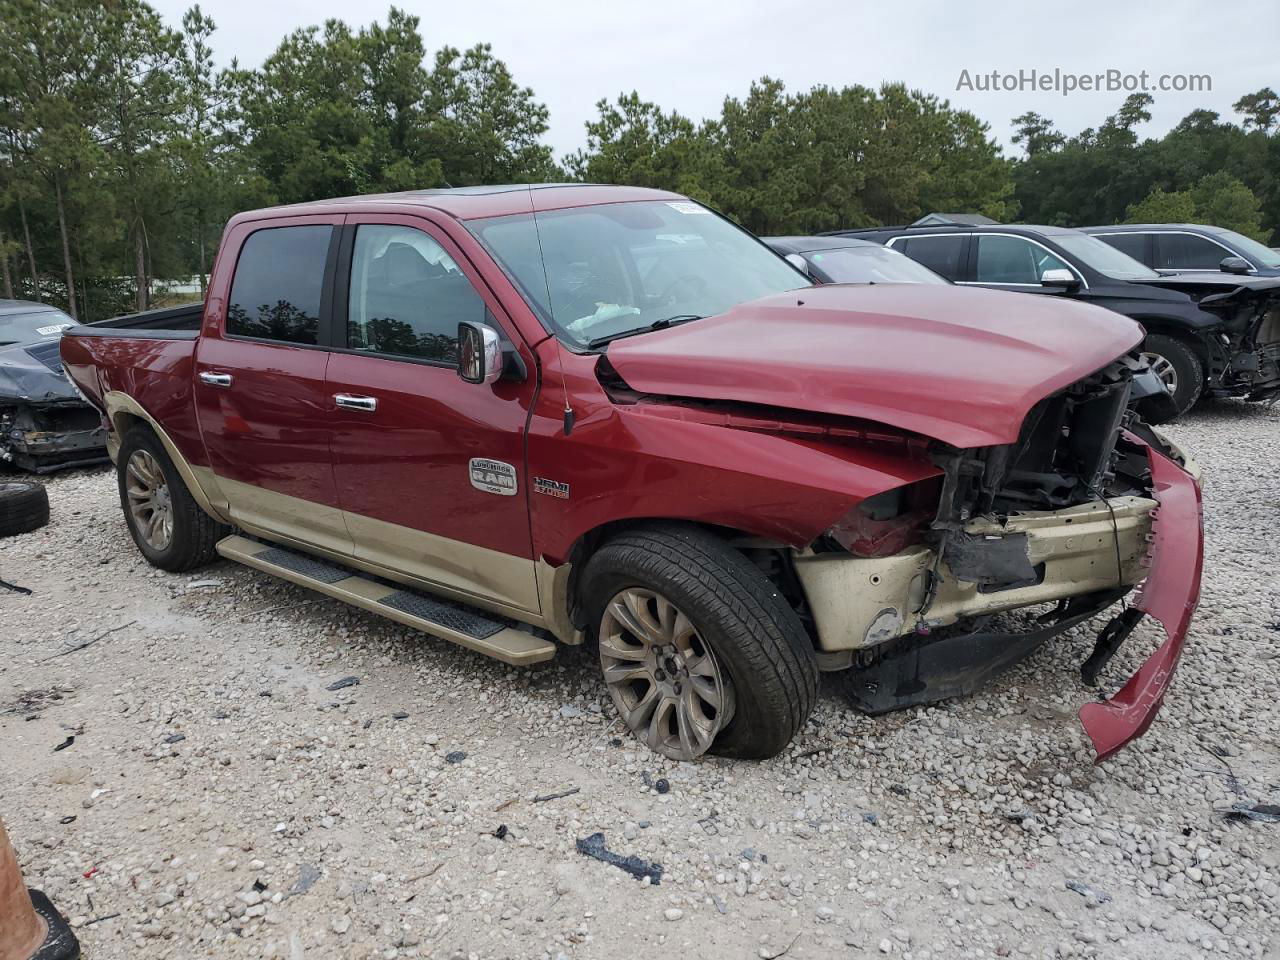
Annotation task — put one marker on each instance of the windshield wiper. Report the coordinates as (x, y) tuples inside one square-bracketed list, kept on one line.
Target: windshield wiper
[(662, 324)]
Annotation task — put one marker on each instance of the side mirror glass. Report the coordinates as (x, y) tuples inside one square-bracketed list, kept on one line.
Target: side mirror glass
[(479, 352), (1059, 277), (1235, 265), (798, 262)]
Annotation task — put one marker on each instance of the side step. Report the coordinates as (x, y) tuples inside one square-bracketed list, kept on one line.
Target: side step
[(459, 624)]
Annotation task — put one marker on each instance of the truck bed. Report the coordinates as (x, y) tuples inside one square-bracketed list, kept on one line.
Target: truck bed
[(147, 357), (168, 323)]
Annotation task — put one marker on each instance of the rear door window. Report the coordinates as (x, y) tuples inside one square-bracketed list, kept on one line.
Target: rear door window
[(1185, 251), (942, 255), (1131, 244), (278, 284)]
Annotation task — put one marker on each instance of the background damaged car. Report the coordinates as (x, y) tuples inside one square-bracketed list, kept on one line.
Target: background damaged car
[(44, 425)]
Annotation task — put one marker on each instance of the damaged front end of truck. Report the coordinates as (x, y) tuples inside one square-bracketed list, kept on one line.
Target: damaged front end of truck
[(1086, 505)]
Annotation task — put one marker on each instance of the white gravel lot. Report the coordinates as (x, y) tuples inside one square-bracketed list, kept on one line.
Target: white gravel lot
[(218, 801)]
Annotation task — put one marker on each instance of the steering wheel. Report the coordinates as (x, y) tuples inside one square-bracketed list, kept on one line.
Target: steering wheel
[(582, 302), (696, 286)]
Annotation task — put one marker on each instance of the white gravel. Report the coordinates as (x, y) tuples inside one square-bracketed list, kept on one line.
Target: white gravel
[(226, 805)]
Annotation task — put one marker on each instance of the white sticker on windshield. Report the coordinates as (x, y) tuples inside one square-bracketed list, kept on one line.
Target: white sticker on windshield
[(56, 328), (686, 206)]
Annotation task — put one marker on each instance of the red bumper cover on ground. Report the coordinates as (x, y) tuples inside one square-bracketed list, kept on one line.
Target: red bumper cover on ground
[(1169, 594)]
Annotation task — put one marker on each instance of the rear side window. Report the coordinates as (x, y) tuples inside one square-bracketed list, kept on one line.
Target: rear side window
[(1131, 244), (407, 295), (279, 278), (1184, 251), (939, 254)]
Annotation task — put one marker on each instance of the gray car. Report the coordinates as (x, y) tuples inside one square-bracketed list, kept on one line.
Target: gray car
[(44, 424)]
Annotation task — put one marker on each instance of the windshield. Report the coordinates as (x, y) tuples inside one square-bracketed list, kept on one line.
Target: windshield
[(1103, 257), (609, 269), (40, 324), (1252, 249), (871, 264)]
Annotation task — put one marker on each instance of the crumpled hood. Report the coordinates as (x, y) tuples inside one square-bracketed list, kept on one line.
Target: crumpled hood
[(24, 376), (958, 364)]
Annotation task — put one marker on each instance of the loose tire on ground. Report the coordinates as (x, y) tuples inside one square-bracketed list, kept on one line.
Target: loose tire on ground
[(1187, 369), (756, 637), (24, 506), (194, 533)]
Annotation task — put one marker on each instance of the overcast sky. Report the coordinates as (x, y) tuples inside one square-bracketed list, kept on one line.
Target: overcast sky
[(688, 54)]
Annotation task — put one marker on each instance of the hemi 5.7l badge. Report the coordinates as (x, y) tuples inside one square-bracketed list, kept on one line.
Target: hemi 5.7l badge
[(552, 488), (493, 476)]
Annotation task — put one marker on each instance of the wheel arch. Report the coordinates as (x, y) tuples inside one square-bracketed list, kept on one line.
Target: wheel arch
[(559, 583), (1175, 331), (125, 413)]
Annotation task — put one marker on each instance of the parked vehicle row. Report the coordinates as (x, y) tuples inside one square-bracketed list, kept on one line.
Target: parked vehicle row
[(519, 417), (1207, 334)]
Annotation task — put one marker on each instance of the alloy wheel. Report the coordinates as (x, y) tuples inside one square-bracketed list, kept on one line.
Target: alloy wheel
[(1163, 368), (149, 502), (663, 677)]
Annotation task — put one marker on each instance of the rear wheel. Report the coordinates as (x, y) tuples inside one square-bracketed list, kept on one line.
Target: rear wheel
[(700, 652), (1178, 368), (166, 523)]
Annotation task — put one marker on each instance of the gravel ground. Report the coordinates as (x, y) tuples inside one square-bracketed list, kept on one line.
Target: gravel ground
[(219, 801)]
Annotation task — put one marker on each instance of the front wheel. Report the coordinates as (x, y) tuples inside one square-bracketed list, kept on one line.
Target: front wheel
[(700, 652), (165, 521), (1178, 367)]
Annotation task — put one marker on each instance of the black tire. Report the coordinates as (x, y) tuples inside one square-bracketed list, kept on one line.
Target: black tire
[(1187, 367), (756, 636), (24, 506), (195, 533)]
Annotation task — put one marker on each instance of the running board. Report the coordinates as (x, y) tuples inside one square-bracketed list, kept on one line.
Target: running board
[(465, 626)]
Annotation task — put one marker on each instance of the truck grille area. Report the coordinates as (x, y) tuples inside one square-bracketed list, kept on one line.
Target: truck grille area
[(1065, 455)]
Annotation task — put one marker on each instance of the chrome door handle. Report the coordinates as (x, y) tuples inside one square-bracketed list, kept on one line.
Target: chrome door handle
[(216, 379), (352, 402)]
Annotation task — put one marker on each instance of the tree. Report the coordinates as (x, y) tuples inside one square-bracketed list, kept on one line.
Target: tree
[(1160, 206), (633, 142), (1223, 201), (795, 163), (1261, 110), (1036, 134), (489, 128), (1218, 199), (138, 91), (51, 67)]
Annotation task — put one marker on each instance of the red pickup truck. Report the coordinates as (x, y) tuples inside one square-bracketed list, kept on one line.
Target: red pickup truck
[(515, 417)]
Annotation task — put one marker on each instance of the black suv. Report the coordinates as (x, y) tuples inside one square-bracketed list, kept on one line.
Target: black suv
[(1208, 334), (1182, 247)]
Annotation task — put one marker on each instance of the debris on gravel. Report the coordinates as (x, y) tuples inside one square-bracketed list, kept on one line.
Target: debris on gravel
[(221, 801)]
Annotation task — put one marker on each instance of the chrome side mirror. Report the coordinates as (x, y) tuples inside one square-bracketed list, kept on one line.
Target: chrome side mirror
[(1059, 277), (1235, 265), (479, 352)]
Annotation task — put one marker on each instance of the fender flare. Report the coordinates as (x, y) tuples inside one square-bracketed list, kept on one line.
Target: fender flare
[(200, 481)]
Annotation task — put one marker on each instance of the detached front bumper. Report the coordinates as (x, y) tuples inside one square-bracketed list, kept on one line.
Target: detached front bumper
[(1169, 594), (1085, 558)]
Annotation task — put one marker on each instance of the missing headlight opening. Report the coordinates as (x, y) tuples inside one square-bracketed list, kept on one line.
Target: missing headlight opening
[(1058, 519)]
